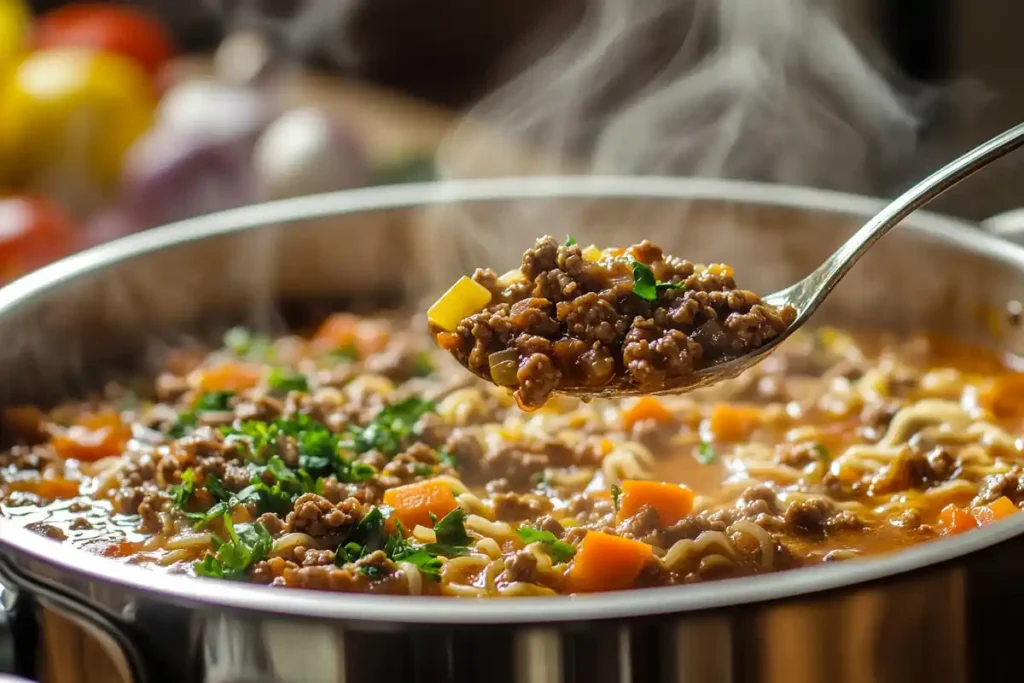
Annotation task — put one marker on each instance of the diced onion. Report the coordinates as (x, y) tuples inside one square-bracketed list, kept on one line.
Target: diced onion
[(514, 275), (504, 367), (462, 300)]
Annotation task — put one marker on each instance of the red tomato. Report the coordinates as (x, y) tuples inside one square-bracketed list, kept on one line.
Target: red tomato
[(108, 28), (33, 232)]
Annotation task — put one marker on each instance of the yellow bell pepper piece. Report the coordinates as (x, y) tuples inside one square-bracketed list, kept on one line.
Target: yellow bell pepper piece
[(15, 21), (462, 300), (591, 254), (73, 111)]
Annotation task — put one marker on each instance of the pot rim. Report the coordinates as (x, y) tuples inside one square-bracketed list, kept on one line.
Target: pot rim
[(424, 610)]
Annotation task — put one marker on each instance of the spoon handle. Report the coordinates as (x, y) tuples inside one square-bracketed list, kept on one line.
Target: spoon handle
[(810, 291)]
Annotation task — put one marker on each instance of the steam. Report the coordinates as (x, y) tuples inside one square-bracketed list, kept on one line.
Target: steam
[(772, 91)]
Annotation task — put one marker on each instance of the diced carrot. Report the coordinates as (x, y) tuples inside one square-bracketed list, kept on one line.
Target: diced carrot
[(605, 562), (414, 503), (1004, 396), (122, 549), (94, 437), (606, 446), (228, 377), (344, 330), (954, 520), (734, 422), (997, 509), (647, 408), (49, 489), (672, 502)]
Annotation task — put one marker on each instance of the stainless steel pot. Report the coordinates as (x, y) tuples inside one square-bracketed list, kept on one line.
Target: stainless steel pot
[(944, 611)]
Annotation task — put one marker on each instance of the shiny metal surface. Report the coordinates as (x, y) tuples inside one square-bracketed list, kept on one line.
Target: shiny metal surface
[(930, 613), (808, 294)]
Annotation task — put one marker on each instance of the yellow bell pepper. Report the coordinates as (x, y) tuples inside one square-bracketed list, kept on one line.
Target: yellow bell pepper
[(462, 300), (71, 113), (591, 254), (15, 21)]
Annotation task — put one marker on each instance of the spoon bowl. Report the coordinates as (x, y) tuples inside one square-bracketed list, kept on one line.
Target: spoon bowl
[(806, 295)]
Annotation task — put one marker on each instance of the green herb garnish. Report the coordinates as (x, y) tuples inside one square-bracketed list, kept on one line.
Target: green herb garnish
[(450, 532), (347, 352), (560, 551), (370, 535), (205, 402), (646, 286), (446, 458), (705, 453), (390, 428), (821, 453), (281, 382), (570, 241), (422, 365), (242, 342), (181, 493), (247, 544), (214, 401), (616, 496), (422, 469)]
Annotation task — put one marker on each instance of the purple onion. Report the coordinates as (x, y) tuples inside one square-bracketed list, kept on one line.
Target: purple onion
[(306, 151)]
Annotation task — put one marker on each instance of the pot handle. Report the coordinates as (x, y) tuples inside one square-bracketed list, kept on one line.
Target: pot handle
[(8, 663), (1009, 225)]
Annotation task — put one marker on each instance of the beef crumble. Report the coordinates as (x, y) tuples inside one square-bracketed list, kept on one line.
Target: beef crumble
[(581, 319)]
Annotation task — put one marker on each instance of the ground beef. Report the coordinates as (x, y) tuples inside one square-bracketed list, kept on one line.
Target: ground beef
[(317, 516), (995, 486), (912, 469), (417, 462), (641, 525), (516, 507), (149, 511), (817, 515), (571, 322), (551, 525), (520, 566)]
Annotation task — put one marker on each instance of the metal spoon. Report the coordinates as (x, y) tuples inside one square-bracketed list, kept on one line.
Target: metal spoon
[(807, 294)]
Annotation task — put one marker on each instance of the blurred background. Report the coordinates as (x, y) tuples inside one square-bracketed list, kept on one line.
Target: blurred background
[(116, 117)]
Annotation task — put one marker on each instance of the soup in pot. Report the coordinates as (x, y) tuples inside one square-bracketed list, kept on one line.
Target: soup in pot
[(358, 457)]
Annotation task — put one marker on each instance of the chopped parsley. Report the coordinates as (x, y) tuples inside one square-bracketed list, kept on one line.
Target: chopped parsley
[(247, 544), (281, 382), (347, 352), (242, 342), (445, 457), (560, 551), (206, 402), (422, 366), (390, 428), (288, 484), (370, 535), (214, 400), (450, 532), (181, 493), (570, 241), (646, 286), (705, 453), (821, 453), (422, 469), (616, 496)]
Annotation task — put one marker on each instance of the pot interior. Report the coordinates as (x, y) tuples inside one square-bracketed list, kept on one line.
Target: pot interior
[(149, 293)]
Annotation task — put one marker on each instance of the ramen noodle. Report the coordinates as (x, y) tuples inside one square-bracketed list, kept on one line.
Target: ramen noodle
[(361, 458)]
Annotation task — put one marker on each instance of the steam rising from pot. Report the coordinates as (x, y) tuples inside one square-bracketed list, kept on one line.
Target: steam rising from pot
[(772, 91)]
